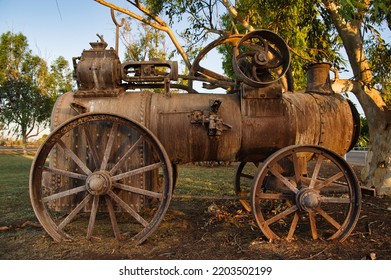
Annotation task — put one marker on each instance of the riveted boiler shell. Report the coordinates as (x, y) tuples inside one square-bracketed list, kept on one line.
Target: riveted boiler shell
[(300, 118), (68, 106), (170, 119)]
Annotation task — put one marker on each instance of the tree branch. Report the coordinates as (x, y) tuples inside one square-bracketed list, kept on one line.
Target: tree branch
[(159, 24), (350, 33), (344, 85), (39, 130), (31, 129), (364, 94), (236, 15), (353, 43)]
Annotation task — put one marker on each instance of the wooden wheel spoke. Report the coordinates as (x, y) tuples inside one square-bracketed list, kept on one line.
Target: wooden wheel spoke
[(284, 180), (126, 155), (74, 157), (138, 190), (64, 193), (316, 171), (274, 196), (328, 218), (336, 187), (296, 168), (329, 180), (330, 199), (65, 173), (109, 146), (67, 180), (293, 226), (137, 171), (91, 222), (303, 184), (113, 219), (281, 215), (94, 153), (128, 209), (314, 230), (74, 212)]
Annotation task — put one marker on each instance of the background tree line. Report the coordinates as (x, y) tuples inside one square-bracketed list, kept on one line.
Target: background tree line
[(28, 87)]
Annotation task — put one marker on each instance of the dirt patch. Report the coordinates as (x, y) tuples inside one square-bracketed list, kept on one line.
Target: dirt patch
[(208, 229)]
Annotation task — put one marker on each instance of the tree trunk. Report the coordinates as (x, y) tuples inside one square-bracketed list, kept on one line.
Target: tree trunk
[(377, 171), (24, 144)]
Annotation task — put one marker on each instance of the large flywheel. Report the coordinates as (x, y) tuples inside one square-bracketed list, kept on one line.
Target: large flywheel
[(99, 173), (261, 57)]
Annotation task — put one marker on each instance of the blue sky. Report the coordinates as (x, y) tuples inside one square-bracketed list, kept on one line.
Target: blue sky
[(62, 27), (54, 28), (65, 27)]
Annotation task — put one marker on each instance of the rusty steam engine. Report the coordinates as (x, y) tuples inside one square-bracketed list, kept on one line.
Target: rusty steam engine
[(115, 143)]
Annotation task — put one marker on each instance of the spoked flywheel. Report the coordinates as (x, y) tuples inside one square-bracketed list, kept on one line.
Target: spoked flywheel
[(100, 173), (261, 58), (304, 191)]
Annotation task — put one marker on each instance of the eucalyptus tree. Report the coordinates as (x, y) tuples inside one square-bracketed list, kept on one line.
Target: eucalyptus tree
[(23, 107), (144, 43), (358, 24), (28, 88)]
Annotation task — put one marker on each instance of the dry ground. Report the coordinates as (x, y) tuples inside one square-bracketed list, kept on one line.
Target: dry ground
[(207, 229)]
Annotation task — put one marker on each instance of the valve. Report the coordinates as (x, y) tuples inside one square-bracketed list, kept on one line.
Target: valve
[(211, 119)]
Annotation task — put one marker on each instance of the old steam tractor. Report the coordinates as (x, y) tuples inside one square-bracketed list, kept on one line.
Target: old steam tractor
[(115, 143)]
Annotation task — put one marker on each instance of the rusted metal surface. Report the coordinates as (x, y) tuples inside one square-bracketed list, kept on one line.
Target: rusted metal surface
[(318, 78), (237, 130), (243, 129), (261, 58), (98, 71), (115, 145), (217, 127)]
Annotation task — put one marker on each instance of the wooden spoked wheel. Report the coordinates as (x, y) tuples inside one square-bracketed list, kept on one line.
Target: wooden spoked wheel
[(244, 177), (304, 191), (97, 168)]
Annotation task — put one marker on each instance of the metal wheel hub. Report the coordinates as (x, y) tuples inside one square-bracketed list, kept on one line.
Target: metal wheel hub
[(99, 183), (308, 199), (261, 59)]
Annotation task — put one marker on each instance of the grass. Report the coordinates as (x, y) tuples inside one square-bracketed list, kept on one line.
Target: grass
[(20, 242), (15, 206), (208, 181)]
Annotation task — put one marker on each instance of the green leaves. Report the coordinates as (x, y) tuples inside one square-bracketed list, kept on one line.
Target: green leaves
[(28, 88), (145, 44), (13, 51), (23, 104)]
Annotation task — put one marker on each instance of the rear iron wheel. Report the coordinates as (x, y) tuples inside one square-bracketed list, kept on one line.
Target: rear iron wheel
[(98, 167), (306, 190)]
